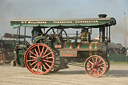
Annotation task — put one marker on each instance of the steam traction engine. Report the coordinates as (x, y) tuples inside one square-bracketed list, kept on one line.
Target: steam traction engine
[(54, 48)]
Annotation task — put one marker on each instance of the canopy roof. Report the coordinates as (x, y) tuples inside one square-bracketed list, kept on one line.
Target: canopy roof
[(65, 23)]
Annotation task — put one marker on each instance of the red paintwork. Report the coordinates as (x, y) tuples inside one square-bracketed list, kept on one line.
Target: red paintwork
[(68, 55), (58, 46)]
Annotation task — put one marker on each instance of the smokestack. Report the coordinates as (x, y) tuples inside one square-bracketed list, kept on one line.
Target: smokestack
[(102, 29)]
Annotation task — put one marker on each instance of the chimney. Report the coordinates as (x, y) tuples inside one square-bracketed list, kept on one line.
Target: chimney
[(102, 29)]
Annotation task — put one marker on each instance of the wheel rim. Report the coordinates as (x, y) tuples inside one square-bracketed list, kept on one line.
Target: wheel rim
[(95, 66), (39, 59), (107, 65)]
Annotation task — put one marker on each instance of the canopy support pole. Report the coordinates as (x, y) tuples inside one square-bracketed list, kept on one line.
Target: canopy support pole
[(19, 34), (24, 33), (109, 34)]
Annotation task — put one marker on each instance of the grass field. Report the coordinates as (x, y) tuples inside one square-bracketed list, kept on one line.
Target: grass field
[(118, 62)]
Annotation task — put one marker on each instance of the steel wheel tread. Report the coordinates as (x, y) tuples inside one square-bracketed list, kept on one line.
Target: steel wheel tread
[(56, 66)]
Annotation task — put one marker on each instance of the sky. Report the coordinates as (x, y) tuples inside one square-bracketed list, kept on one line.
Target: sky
[(63, 9)]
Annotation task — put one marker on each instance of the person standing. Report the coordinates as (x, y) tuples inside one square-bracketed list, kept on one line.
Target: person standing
[(127, 55), (36, 31)]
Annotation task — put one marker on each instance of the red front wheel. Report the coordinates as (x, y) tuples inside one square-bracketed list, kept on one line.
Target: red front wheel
[(95, 66), (39, 59)]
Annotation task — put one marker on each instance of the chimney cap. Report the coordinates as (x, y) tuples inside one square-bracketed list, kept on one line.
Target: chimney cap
[(102, 15)]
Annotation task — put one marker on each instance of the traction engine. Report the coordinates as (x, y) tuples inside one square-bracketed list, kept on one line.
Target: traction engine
[(51, 50)]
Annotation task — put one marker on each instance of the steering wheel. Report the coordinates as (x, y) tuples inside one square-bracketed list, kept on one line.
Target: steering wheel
[(59, 32)]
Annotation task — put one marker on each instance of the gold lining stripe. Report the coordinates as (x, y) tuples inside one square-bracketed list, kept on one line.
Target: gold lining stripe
[(87, 36), (95, 52), (95, 45), (90, 53), (78, 45), (82, 37), (64, 44), (57, 37), (70, 45), (90, 46)]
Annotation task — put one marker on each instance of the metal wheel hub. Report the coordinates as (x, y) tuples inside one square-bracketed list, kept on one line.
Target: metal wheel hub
[(39, 59), (95, 66)]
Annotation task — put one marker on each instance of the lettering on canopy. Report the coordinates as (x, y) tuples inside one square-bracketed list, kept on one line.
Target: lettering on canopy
[(58, 22)]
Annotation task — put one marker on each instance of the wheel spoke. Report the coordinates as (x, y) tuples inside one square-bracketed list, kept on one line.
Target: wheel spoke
[(99, 61), (91, 71), (38, 68), (33, 63), (41, 68), (39, 49), (35, 66), (32, 56), (102, 67), (47, 54), (97, 72), (96, 61), (91, 62), (47, 61), (48, 57), (44, 67), (100, 64), (32, 53), (45, 51), (90, 65), (47, 64), (31, 60), (42, 51), (36, 52)]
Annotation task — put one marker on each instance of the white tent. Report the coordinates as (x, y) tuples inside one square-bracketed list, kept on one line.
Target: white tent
[(1, 33)]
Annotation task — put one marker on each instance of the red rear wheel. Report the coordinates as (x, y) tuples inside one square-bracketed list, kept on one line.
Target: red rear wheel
[(39, 59), (95, 66), (107, 65)]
